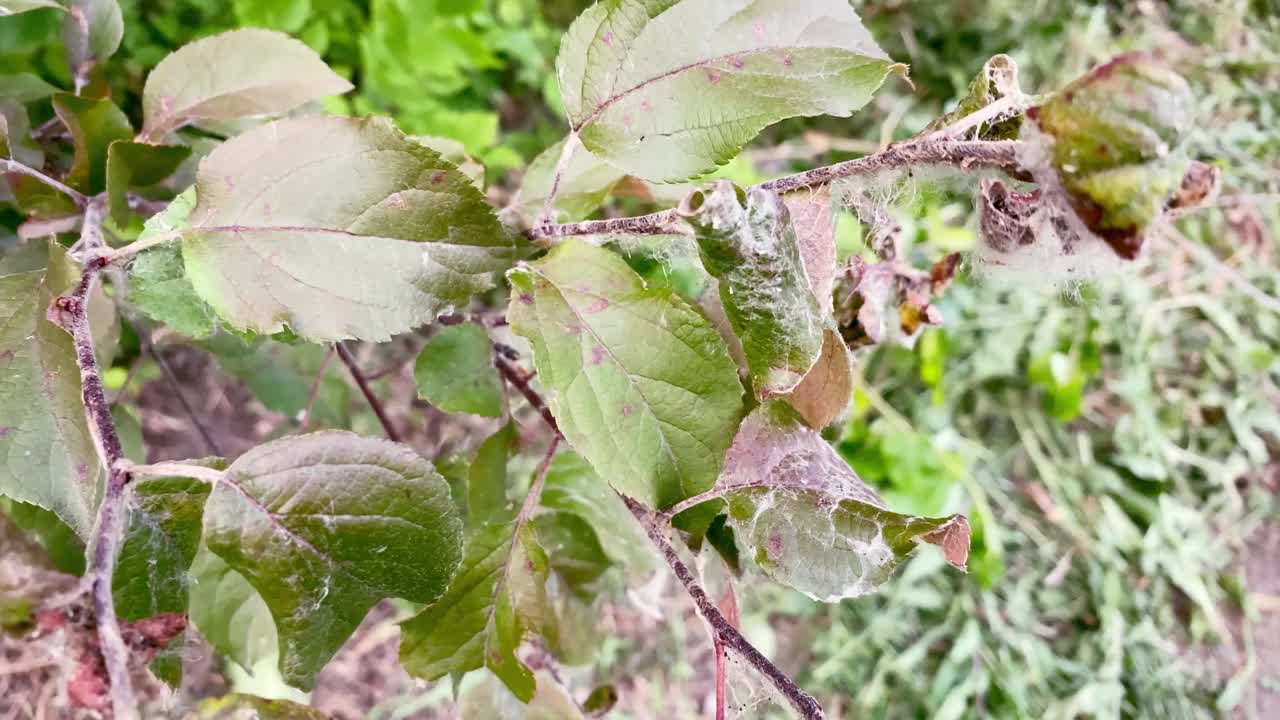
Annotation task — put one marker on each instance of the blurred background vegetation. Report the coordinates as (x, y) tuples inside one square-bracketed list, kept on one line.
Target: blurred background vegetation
[(1116, 445)]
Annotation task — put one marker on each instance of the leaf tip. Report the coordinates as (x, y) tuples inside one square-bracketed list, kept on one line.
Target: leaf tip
[(953, 537)]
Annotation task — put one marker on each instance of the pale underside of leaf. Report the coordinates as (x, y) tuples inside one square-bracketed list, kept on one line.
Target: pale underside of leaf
[(810, 521), (337, 228), (640, 383), (47, 454), (826, 391), (669, 90), (236, 74)]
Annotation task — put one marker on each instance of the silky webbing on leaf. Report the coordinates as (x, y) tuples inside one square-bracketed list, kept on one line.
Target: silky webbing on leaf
[(747, 242), (809, 521)]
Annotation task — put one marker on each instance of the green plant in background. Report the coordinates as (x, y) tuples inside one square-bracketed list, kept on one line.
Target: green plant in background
[(698, 360)]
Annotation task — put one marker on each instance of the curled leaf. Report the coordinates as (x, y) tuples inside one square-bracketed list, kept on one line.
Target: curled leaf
[(747, 242), (1117, 136), (810, 522)]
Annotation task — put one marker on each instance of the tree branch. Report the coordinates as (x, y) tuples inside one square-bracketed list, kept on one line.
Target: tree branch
[(966, 155), (802, 702), (110, 525), (12, 166), (521, 384), (345, 355)]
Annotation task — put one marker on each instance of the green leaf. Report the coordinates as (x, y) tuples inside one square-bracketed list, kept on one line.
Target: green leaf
[(160, 544), (64, 547), (639, 381), (237, 706), (669, 89), (747, 242), (94, 125), (498, 596), (574, 549), (281, 375), (572, 486), (455, 372), (240, 73), (809, 521), (135, 165), (336, 228), (13, 7), (91, 32), (25, 87), (487, 501), (487, 699), (326, 525), (48, 454), (158, 281), (456, 153), (586, 182), (15, 136), (229, 613)]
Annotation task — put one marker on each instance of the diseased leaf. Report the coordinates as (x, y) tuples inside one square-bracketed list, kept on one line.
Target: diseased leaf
[(572, 486), (825, 393), (1117, 144), (488, 700), (498, 596), (13, 7), (815, 227), (133, 165), (326, 525), (639, 381), (91, 32), (336, 228), (47, 456), (747, 243), (585, 184), (160, 544), (809, 521), (455, 372), (24, 87), (487, 500), (94, 125), (158, 282), (669, 89), (229, 613), (456, 153), (236, 74)]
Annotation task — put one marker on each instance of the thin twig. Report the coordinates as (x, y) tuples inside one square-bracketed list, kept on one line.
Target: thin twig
[(345, 355), (315, 390), (963, 154), (534, 495), (562, 164), (521, 384), (110, 523), (144, 338), (802, 702), (13, 166), (720, 677)]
